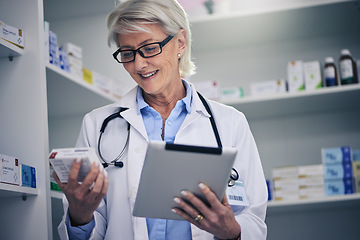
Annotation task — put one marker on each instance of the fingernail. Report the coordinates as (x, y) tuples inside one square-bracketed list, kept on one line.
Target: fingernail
[(173, 210), (177, 200), (78, 160), (105, 173), (96, 164), (184, 193), (202, 186)]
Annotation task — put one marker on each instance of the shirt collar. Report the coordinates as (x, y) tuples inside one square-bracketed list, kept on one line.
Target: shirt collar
[(141, 104)]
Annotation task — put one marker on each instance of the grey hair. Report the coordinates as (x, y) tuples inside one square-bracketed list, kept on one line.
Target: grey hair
[(130, 14)]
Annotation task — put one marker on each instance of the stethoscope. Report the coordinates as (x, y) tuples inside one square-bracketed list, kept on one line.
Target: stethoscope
[(115, 162)]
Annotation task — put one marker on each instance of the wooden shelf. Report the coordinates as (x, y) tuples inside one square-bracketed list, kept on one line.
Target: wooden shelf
[(7, 190), (70, 95), (9, 50), (324, 99)]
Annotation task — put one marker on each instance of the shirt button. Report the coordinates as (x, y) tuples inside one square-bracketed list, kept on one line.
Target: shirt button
[(169, 123)]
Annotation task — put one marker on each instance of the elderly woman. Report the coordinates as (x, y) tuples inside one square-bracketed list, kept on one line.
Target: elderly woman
[(154, 46)]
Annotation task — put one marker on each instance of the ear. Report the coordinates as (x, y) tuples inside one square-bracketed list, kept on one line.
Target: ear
[(181, 41)]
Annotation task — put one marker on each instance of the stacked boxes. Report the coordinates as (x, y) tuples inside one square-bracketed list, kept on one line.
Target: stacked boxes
[(12, 172), (338, 172), (295, 74), (286, 183), (311, 181), (356, 169), (74, 57), (53, 49)]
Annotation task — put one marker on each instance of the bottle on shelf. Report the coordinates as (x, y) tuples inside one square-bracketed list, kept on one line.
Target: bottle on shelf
[(330, 73), (348, 71)]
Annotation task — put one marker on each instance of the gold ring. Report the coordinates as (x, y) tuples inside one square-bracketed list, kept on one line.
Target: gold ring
[(199, 218)]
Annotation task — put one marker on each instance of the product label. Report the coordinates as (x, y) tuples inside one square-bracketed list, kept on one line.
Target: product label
[(346, 69)]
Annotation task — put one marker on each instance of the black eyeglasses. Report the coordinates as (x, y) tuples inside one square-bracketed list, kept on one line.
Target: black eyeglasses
[(146, 51)]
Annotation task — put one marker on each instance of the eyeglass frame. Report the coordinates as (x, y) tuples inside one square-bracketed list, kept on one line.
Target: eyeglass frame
[(161, 44)]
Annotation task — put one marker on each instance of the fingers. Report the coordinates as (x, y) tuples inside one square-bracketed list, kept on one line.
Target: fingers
[(100, 185)]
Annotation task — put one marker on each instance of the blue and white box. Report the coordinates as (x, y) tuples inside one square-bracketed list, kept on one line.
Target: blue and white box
[(336, 155), (339, 186), (28, 176), (53, 49), (63, 60), (338, 171)]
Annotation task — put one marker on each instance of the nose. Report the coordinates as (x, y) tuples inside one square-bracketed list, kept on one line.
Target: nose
[(140, 62)]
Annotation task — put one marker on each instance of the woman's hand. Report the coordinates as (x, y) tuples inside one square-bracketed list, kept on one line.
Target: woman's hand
[(84, 198), (218, 219)]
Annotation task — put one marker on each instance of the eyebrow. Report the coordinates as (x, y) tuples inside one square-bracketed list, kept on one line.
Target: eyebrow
[(150, 40)]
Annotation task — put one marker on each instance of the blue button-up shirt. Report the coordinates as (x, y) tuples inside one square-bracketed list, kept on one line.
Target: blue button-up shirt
[(162, 229), (158, 229)]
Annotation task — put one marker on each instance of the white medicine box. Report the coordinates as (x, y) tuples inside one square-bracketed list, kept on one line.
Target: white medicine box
[(295, 74), (10, 170)]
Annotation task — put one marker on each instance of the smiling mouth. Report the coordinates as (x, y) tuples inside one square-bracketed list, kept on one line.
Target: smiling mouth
[(148, 74)]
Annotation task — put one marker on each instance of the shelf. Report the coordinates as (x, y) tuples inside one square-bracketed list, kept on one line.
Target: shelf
[(70, 95), (324, 99), (275, 24), (7, 190), (324, 202), (9, 50)]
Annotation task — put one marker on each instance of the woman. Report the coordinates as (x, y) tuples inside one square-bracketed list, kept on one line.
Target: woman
[(154, 43)]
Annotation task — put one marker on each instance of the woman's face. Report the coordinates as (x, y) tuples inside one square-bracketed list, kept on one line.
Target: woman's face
[(158, 74)]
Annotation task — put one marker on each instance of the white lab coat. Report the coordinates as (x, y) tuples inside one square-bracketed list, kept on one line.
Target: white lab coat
[(113, 218)]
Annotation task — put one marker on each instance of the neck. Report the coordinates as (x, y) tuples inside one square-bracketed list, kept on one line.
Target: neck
[(165, 102)]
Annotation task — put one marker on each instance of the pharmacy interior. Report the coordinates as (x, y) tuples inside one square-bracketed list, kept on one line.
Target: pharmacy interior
[(292, 67)]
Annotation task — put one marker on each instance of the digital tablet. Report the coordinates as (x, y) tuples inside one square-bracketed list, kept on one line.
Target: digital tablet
[(170, 168)]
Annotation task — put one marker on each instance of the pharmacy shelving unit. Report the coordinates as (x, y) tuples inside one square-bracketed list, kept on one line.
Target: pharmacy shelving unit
[(39, 101), (23, 124), (238, 48)]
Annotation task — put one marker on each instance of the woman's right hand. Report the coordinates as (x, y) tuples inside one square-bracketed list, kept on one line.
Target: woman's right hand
[(84, 198)]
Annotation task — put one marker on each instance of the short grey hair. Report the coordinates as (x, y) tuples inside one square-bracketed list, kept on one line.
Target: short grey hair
[(130, 14)]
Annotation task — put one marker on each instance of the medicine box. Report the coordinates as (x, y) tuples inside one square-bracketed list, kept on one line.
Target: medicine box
[(28, 176), (336, 155), (12, 35), (312, 73), (339, 186), (88, 76), (233, 93), (336, 171), (117, 88), (290, 183), (46, 40), (10, 170), (312, 192), (53, 184), (63, 60), (311, 170), (311, 181), (286, 194), (285, 172), (268, 87), (101, 82), (73, 50), (209, 89), (295, 75), (63, 158), (53, 49)]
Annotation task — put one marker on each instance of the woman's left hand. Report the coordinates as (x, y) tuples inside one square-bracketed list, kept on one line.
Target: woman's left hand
[(218, 219)]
